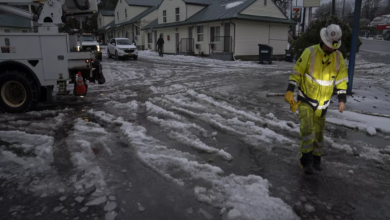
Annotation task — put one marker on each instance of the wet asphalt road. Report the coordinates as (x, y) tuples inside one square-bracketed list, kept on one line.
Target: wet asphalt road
[(375, 46), (335, 193)]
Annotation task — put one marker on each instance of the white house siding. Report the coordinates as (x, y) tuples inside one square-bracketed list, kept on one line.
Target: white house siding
[(105, 20), (170, 6), (259, 9), (100, 21), (132, 11), (193, 9), (205, 45), (248, 35), (278, 38), (142, 38), (169, 45)]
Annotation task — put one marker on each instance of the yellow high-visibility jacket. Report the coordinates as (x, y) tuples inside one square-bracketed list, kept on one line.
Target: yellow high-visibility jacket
[(317, 73)]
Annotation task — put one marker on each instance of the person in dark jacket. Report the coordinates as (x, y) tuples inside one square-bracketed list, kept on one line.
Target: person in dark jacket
[(160, 45)]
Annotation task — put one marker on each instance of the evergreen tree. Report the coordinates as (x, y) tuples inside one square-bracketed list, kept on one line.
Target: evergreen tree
[(312, 35)]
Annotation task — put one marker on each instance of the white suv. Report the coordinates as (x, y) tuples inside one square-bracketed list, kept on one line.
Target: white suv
[(122, 48)]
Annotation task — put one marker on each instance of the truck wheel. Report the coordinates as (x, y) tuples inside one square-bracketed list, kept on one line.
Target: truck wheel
[(116, 55), (109, 55), (18, 92), (135, 57)]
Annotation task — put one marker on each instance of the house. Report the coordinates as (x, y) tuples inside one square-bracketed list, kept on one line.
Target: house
[(105, 17), (15, 24), (219, 28), (133, 15)]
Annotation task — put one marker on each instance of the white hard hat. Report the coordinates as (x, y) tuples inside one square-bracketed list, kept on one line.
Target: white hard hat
[(331, 36)]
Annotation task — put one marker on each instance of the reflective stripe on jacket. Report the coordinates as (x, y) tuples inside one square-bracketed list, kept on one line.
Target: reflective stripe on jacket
[(317, 73)]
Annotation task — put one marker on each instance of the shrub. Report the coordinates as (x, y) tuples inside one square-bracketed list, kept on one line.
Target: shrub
[(312, 35)]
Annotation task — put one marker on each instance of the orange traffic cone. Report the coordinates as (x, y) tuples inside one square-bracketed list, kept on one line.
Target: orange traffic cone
[(80, 88)]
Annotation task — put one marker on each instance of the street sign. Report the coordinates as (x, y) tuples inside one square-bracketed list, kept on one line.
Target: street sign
[(311, 3), (296, 14)]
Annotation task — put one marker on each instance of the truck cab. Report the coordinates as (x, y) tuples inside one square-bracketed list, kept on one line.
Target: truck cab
[(88, 43)]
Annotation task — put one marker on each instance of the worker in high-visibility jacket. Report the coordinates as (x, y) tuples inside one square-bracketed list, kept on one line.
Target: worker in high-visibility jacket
[(319, 69)]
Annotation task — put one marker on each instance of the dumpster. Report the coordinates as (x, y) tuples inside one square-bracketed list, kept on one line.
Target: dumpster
[(288, 56), (265, 53)]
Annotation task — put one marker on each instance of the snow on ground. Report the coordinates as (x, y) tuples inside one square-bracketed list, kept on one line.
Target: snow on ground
[(242, 197), (194, 60), (362, 122)]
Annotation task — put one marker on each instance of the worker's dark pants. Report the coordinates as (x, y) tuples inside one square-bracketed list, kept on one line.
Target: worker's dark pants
[(160, 50)]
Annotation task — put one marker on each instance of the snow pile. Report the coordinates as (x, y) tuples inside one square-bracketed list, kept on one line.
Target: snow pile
[(81, 142), (233, 4), (30, 151), (245, 198), (362, 122)]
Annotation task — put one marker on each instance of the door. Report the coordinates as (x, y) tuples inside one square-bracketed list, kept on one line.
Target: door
[(155, 40), (227, 40), (190, 40), (177, 43)]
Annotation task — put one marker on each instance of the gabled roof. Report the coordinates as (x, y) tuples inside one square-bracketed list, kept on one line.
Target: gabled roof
[(107, 12), (138, 17), (108, 26), (7, 20), (202, 2), (144, 2), (222, 10)]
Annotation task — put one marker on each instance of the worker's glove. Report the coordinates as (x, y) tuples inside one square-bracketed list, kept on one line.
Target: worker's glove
[(289, 98)]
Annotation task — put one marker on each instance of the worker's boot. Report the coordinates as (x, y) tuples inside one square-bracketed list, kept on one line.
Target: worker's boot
[(317, 163), (307, 162)]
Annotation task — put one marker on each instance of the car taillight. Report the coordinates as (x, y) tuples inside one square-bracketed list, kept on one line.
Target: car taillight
[(87, 61)]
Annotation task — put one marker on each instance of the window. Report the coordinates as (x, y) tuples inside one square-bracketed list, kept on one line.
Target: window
[(125, 12), (7, 31), (100, 21), (199, 31), (215, 33), (177, 14), (24, 31), (265, 2), (164, 16), (117, 14), (137, 31), (150, 38)]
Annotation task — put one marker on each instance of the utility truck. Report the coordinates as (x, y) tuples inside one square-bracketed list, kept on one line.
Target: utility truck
[(31, 64)]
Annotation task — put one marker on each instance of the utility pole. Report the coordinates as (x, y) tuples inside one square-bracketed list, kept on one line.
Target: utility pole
[(354, 43), (343, 9), (333, 7), (310, 15)]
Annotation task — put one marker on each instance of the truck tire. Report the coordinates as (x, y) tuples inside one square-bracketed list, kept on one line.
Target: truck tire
[(18, 92), (108, 52)]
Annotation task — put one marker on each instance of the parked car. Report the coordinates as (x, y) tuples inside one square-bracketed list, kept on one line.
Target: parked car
[(122, 48), (378, 37)]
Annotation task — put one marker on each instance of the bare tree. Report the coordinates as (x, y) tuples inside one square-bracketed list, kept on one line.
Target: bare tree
[(284, 5), (370, 8)]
